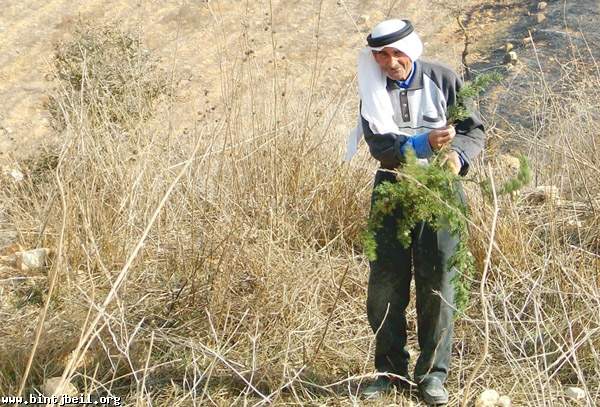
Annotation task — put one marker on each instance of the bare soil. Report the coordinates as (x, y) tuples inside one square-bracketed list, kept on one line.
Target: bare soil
[(194, 38)]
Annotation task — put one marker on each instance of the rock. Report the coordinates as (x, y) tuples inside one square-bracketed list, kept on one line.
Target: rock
[(9, 260), (511, 58), (84, 362), (362, 19), (575, 393), (488, 398), (32, 259), (51, 387), (544, 194), (510, 162), (575, 223), (540, 17), (504, 401), (542, 5), (11, 249), (16, 175)]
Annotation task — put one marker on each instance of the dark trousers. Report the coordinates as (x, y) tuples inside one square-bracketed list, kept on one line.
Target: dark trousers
[(389, 295)]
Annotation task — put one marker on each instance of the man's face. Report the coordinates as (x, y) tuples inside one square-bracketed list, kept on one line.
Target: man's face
[(396, 64)]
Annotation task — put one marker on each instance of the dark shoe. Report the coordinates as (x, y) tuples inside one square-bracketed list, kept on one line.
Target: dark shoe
[(433, 392), (383, 385)]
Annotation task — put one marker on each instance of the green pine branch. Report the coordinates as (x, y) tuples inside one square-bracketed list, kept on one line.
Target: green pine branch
[(470, 90)]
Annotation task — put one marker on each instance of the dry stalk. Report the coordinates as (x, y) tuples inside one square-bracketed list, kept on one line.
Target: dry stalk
[(465, 51), (482, 294), (86, 337), (315, 352), (53, 279)]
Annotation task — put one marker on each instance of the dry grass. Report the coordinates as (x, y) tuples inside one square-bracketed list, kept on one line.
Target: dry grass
[(222, 265)]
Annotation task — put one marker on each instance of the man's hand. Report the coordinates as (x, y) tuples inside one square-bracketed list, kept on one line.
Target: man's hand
[(452, 161), (440, 137)]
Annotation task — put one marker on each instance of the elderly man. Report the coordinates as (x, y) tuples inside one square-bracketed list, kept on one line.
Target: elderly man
[(404, 104)]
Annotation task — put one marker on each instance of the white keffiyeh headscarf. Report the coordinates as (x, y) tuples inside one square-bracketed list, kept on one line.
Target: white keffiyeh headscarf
[(376, 106)]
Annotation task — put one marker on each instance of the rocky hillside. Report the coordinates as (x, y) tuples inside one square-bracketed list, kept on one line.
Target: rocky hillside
[(205, 248)]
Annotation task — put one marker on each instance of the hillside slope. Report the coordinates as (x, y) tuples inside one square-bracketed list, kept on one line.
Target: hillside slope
[(210, 253)]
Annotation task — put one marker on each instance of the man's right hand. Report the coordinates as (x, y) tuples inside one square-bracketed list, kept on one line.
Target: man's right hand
[(440, 137)]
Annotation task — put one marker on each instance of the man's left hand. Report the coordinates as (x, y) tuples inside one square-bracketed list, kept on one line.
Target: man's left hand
[(452, 161)]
